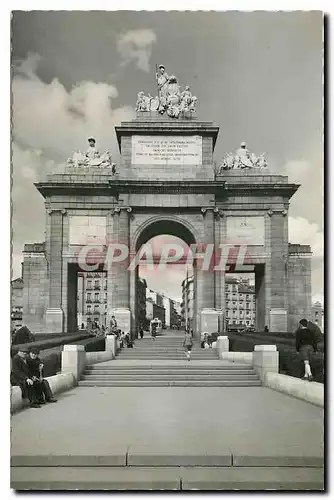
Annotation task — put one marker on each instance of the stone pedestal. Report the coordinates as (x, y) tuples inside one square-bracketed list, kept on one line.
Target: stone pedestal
[(111, 344), (278, 320), (54, 320), (123, 318), (210, 320), (265, 359), (223, 345), (73, 360)]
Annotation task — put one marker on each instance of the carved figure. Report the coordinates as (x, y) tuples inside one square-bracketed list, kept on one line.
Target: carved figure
[(243, 159), (186, 97), (141, 104), (169, 100), (92, 152), (262, 161), (92, 158), (162, 81)]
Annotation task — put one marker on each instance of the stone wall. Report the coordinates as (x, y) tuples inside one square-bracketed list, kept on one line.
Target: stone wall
[(299, 284), (36, 287)]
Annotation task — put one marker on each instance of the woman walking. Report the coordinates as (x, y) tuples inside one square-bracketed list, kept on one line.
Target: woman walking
[(188, 344)]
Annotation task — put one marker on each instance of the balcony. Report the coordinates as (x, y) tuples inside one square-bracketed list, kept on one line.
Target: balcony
[(89, 301), (96, 301), (89, 288), (97, 287), (89, 313)]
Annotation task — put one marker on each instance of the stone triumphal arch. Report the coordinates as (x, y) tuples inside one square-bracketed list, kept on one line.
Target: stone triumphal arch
[(166, 182)]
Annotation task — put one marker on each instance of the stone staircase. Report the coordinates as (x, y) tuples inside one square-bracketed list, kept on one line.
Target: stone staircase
[(163, 363), (165, 348)]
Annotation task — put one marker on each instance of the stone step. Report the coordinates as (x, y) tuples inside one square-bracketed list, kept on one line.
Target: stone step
[(168, 353), (167, 478), (119, 366), (173, 372), (241, 382), (171, 376)]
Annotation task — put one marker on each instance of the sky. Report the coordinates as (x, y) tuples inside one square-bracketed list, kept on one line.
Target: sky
[(257, 75)]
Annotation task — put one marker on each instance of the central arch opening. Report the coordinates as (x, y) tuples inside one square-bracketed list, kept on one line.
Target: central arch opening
[(165, 290)]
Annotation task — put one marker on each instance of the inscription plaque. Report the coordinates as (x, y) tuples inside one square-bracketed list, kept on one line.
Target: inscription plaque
[(166, 150), (87, 230), (246, 229)]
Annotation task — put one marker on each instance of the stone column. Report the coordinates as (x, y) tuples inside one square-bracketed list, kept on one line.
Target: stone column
[(118, 275), (206, 278), (277, 288), (54, 316), (219, 274)]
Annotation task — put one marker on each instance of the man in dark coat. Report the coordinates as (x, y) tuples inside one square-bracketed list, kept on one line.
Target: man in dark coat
[(23, 336), (35, 369), (306, 343), (20, 375)]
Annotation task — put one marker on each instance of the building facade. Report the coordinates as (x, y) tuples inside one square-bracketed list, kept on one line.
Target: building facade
[(92, 298), (318, 315), (187, 304), (16, 303), (240, 304), (141, 301)]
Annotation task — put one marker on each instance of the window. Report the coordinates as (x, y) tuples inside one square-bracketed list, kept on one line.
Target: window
[(89, 308), (97, 284), (247, 322), (97, 297), (89, 284), (89, 296), (316, 313)]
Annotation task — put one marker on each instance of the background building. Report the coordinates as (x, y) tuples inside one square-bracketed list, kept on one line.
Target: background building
[(187, 304), (92, 298), (318, 315), (16, 303), (239, 303), (141, 301)]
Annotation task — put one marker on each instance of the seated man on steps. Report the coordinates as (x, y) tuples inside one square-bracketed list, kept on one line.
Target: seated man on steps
[(35, 366), (20, 375)]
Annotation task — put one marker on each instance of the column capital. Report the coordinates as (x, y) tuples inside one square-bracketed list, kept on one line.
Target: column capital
[(117, 210), (215, 210), (283, 212), (63, 211)]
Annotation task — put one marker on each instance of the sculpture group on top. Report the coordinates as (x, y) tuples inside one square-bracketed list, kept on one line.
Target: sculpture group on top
[(92, 158), (170, 99), (243, 159)]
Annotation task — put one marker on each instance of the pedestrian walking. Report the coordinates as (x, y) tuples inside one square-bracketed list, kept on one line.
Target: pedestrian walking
[(154, 331), (188, 344), (306, 345), (141, 332)]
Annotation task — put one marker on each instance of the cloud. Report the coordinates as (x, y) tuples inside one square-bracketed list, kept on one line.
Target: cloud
[(136, 45), (306, 233), (49, 123)]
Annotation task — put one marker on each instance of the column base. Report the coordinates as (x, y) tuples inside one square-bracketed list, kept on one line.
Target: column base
[(54, 320), (123, 318), (211, 319), (278, 320)]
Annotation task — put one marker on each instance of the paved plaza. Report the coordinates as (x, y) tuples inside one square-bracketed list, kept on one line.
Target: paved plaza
[(146, 423)]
